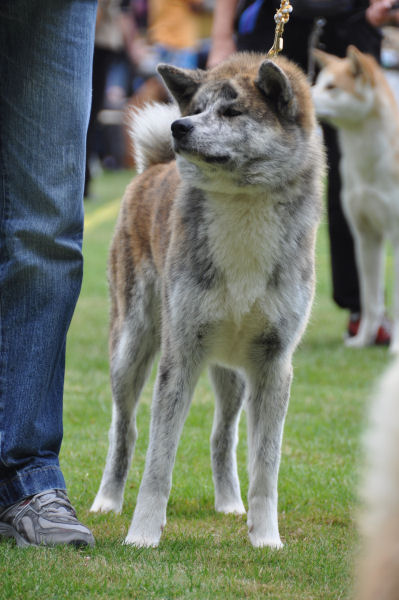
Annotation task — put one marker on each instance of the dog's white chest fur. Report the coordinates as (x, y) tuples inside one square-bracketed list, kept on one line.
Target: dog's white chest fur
[(371, 177), (246, 254), (244, 235), (232, 339)]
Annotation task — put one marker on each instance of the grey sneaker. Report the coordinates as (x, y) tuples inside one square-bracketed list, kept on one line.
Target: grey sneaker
[(46, 519)]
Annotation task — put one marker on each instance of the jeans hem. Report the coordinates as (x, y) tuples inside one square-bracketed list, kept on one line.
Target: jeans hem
[(28, 483)]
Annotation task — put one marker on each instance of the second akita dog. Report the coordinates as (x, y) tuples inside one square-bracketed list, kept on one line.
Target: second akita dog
[(213, 262), (353, 94)]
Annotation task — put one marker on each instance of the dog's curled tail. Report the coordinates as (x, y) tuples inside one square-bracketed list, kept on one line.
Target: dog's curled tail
[(149, 129)]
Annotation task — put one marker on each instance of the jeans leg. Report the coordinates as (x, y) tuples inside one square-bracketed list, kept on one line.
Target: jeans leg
[(45, 73)]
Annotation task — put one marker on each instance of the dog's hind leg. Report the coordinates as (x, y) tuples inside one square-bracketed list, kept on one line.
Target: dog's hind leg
[(229, 396), (131, 359), (370, 261), (266, 409)]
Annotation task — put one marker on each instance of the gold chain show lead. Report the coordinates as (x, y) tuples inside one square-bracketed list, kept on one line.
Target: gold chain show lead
[(281, 18)]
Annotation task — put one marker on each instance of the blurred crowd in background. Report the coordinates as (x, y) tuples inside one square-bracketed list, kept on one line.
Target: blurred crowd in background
[(132, 37)]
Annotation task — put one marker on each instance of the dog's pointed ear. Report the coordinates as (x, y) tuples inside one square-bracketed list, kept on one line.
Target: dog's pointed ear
[(275, 85), (323, 59), (361, 64), (182, 83)]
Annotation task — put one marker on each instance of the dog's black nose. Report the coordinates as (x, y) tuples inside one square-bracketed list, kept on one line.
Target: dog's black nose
[(181, 127)]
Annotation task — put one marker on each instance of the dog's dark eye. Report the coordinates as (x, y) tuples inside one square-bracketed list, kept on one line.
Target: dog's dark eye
[(331, 86), (231, 112)]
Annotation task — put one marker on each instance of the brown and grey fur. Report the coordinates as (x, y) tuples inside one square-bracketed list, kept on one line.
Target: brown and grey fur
[(212, 262)]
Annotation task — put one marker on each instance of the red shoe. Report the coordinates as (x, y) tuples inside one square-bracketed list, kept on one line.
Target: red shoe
[(353, 324), (383, 336)]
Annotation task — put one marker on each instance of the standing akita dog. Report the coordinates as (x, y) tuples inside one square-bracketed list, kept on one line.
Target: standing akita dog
[(213, 262), (353, 94)]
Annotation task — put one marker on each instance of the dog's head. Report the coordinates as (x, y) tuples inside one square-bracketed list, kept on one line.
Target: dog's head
[(246, 120), (344, 92)]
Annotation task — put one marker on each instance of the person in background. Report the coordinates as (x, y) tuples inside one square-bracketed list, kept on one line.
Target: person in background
[(46, 53), (250, 26), (172, 36), (115, 38), (173, 30)]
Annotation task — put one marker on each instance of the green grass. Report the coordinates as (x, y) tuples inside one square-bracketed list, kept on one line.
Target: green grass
[(204, 555)]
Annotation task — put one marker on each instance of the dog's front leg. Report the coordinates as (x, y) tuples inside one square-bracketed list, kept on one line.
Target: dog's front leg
[(173, 390), (266, 410), (370, 261)]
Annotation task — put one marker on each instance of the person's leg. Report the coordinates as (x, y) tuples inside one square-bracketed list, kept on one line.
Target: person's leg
[(343, 264), (45, 70), (101, 62)]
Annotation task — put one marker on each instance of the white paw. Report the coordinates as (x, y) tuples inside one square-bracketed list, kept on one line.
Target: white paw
[(358, 341), (148, 523), (144, 538), (263, 523), (259, 541), (141, 542), (105, 504), (394, 348), (233, 507)]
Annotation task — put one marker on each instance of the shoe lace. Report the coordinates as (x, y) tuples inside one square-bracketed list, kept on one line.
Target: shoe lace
[(51, 502)]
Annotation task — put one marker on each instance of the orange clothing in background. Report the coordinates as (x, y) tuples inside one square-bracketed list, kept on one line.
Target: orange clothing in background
[(173, 23)]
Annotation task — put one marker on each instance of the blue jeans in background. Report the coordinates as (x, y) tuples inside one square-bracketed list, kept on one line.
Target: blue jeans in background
[(46, 51)]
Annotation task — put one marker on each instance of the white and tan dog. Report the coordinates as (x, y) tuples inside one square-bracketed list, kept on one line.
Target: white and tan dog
[(353, 94), (213, 262)]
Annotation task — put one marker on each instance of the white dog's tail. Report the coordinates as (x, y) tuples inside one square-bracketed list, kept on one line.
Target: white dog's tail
[(149, 129)]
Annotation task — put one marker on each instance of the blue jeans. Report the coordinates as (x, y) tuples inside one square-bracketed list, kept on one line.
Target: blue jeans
[(46, 51), (186, 58)]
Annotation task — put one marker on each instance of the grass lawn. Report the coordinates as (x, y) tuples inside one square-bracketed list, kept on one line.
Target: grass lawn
[(204, 555)]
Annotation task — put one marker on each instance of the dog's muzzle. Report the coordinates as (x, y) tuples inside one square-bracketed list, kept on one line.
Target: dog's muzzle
[(183, 143)]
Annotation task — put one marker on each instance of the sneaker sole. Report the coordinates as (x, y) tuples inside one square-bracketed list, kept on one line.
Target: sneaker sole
[(8, 531)]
